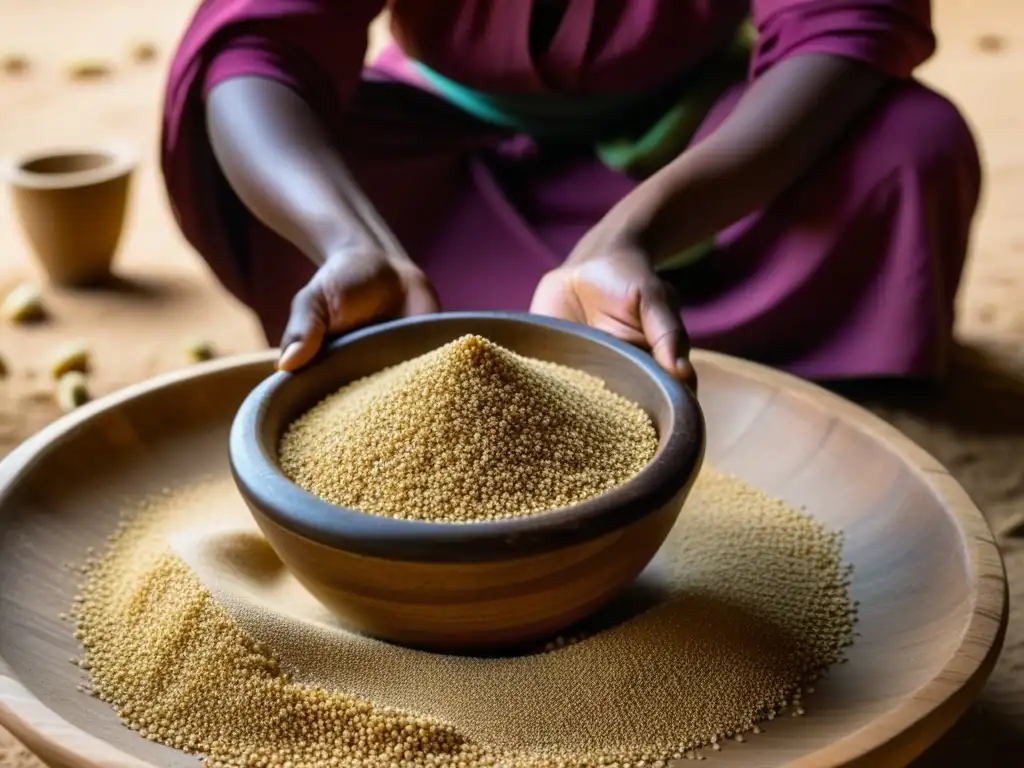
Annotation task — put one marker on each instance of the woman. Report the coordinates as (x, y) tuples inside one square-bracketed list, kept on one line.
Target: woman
[(794, 192)]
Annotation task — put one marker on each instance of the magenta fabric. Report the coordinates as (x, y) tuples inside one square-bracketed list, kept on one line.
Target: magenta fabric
[(850, 273), (893, 35)]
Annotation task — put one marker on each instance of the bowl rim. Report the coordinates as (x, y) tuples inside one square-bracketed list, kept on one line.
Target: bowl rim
[(123, 162), (265, 486), (895, 737)]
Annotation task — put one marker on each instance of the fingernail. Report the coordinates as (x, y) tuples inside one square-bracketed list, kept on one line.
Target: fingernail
[(289, 352), (686, 371)]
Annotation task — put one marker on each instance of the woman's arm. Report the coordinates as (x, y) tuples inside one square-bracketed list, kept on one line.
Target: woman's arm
[(278, 159), (786, 121)]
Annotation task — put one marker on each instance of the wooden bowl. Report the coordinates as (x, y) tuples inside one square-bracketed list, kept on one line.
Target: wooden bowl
[(72, 205), (927, 572), (468, 586)]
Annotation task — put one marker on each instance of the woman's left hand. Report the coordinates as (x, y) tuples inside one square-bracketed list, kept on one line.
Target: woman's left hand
[(610, 284)]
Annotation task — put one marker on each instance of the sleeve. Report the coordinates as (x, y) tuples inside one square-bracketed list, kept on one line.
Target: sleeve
[(894, 36), (316, 47), (249, 53), (318, 51)]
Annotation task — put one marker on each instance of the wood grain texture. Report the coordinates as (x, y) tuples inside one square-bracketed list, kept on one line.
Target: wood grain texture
[(458, 586), (474, 607), (928, 575)]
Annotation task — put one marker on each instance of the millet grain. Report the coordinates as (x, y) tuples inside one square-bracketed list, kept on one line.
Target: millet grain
[(757, 608), (178, 670), (468, 432)]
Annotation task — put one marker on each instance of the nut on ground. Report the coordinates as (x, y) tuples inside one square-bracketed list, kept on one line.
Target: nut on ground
[(72, 391), (144, 52), (14, 64), (24, 304), (4, 370), (991, 43), (70, 356), (89, 69), (199, 350)]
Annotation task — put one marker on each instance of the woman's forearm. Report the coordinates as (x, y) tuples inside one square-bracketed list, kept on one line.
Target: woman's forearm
[(278, 159), (785, 122)]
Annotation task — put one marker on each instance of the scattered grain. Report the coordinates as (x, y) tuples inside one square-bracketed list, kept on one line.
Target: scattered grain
[(468, 432), (757, 607), (72, 391), (71, 356), (179, 670), (24, 304)]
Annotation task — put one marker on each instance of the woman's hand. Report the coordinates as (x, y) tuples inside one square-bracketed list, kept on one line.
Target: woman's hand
[(283, 165), (612, 286), (350, 289)]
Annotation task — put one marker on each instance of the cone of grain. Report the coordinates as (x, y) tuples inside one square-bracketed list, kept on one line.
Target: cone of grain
[(468, 432)]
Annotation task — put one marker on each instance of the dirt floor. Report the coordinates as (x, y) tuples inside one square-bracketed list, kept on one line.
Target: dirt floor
[(975, 425)]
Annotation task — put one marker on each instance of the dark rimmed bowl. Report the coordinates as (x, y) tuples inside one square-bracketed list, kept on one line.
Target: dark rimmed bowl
[(468, 586)]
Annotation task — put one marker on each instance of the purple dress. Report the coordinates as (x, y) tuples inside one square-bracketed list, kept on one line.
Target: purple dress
[(852, 272)]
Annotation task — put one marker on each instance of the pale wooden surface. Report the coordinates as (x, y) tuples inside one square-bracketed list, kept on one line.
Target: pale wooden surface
[(927, 572), (976, 428)]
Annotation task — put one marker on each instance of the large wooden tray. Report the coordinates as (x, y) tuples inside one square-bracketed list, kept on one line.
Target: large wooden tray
[(928, 575)]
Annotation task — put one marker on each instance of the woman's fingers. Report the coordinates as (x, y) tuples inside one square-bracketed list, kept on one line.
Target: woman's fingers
[(341, 297), (622, 297), (665, 333), (307, 326), (420, 298), (686, 374), (556, 297)]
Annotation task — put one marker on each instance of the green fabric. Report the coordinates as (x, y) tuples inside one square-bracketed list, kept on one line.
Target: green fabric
[(547, 115), (642, 156), (639, 154)]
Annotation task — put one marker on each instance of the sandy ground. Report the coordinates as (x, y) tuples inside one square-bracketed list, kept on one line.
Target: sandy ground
[(975, 425)]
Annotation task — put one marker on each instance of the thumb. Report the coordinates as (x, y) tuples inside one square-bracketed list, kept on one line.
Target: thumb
[(307, 327), (420, 299), (555, 297), (666, 335)]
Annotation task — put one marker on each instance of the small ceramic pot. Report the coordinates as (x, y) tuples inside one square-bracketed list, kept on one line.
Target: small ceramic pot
[(72, 205)]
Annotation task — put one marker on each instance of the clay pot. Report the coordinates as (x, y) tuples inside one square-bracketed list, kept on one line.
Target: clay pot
[(72, 205)]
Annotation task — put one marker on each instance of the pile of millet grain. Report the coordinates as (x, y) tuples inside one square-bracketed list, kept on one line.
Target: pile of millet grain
[(756, 608), (468, 432)]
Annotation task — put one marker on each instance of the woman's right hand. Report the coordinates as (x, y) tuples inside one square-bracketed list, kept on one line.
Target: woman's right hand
[(352, 288)]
